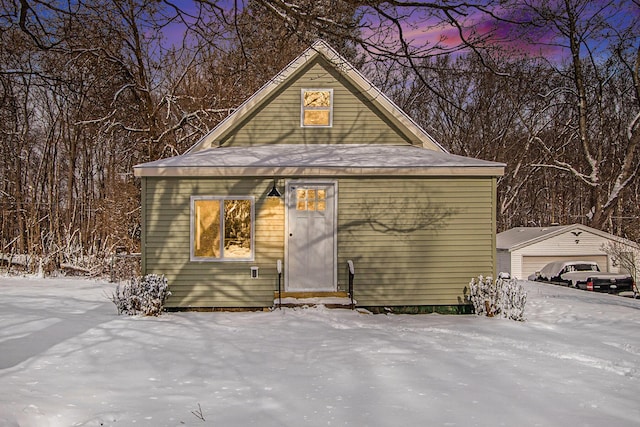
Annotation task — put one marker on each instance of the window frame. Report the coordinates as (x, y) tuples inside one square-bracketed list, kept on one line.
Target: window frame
[(303, 108), (192, 219)]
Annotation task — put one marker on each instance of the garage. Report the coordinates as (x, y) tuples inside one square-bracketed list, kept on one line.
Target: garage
[(522, 251)]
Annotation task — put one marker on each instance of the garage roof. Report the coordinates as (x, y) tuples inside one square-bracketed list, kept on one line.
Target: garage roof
[(519, 237)]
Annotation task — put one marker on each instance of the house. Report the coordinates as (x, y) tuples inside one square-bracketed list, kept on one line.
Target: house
[(316, 169), (522, 251)]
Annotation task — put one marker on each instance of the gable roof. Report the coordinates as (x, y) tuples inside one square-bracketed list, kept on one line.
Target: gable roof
[(520, 237), (319, 160), (320, 48)]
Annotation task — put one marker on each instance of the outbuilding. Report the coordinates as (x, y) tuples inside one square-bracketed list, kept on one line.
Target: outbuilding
[(522, 251), (318, 172)]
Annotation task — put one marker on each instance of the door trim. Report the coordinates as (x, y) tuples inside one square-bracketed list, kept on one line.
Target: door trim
[(287, 199)]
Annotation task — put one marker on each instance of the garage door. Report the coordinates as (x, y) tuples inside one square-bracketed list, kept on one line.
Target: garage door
[(531, 264)]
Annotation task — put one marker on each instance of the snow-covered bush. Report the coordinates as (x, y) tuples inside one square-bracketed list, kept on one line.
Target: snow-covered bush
[(502, 298), (142, 295)]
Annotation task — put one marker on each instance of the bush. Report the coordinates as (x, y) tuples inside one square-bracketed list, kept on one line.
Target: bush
[(502, 298), (145, 295)]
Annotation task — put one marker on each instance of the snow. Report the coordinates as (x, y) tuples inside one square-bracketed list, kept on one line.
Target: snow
[(67, 359), (279, 157), (328, 301)]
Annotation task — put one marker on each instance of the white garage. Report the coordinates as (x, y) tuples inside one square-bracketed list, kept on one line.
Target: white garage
[(522, 251)]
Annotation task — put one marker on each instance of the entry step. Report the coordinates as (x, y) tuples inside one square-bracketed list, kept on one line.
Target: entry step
[(312, 294), (301, 299)]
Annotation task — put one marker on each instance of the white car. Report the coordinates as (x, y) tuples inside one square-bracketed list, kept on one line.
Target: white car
[(555, 272)]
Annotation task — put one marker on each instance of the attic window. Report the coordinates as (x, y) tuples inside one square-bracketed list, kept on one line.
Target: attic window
[(317, 108)]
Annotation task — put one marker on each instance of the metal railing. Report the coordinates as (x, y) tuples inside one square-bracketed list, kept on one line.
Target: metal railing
[(352, 273), (279, 268)]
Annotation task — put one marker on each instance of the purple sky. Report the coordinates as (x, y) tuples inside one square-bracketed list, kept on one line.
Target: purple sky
[(541, 41)]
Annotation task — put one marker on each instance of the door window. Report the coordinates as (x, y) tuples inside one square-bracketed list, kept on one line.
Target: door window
[(311, 199)]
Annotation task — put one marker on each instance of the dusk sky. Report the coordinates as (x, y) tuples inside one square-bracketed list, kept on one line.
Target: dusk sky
[(543, 40), (423, 31)]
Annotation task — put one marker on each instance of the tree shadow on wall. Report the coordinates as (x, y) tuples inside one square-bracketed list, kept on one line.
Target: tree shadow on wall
[(400, 217)]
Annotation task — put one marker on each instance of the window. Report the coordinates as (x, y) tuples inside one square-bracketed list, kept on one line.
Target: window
[(317, 108), (221, 228), (309, 199)]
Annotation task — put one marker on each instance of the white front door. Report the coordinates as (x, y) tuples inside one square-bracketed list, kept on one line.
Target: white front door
[(311, 236)]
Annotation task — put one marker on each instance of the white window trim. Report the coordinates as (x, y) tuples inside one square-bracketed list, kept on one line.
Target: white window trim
[(302, 107), (192, 217)]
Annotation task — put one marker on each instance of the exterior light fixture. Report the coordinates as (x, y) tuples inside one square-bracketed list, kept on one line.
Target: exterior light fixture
[(274, 193)]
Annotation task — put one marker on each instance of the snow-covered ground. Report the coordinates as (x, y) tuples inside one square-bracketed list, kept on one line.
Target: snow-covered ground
[(67, 359)]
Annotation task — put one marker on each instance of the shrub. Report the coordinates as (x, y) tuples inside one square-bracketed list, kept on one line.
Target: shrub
[(146, 295), (502, 298)]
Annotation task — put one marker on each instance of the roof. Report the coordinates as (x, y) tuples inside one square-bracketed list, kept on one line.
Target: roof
[(320, 49), (520, 237), (318, 160)]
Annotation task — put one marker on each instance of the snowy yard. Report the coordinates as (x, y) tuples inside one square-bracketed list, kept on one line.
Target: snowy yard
[(67, 359)]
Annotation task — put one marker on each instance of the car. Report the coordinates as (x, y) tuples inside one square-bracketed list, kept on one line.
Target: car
[(585, 275), (553, 271)]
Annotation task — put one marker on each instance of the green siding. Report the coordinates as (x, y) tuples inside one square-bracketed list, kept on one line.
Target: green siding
[(210, 284), (143, 226), (355, 121), (414, 241)]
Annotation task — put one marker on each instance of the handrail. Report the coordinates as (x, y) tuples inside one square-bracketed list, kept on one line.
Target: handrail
[(352, 272), (279, 268)]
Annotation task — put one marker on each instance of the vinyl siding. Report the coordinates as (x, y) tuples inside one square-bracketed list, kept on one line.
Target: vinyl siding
[(166, 204), (278, 120), (504, 261), (414, 241)]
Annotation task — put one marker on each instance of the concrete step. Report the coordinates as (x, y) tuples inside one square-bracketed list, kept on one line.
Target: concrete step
[(310, 299)]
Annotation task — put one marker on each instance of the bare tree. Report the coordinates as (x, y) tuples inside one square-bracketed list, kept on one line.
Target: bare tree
[(592, 98), (91, 88)]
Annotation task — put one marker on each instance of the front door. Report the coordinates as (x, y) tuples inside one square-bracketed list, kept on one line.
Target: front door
[(311, 241)]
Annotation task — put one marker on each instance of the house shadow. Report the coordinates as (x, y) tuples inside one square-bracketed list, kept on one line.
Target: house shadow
[(67, 325)]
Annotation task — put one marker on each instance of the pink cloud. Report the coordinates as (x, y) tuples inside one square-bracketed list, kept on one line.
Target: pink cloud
[(426, 31)]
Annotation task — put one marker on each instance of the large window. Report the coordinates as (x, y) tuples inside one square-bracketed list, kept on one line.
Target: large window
[(221, 228), (317, 108)]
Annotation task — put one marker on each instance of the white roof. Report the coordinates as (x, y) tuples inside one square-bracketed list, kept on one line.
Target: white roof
[(425, 157), (519, 237), (318, 159)]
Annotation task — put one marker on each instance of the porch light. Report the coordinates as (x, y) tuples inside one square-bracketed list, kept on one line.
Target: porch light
[(274, 193)]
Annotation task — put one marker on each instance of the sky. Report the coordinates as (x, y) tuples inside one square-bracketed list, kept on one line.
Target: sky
[(67, 359), (422, 30), (543, 38)]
